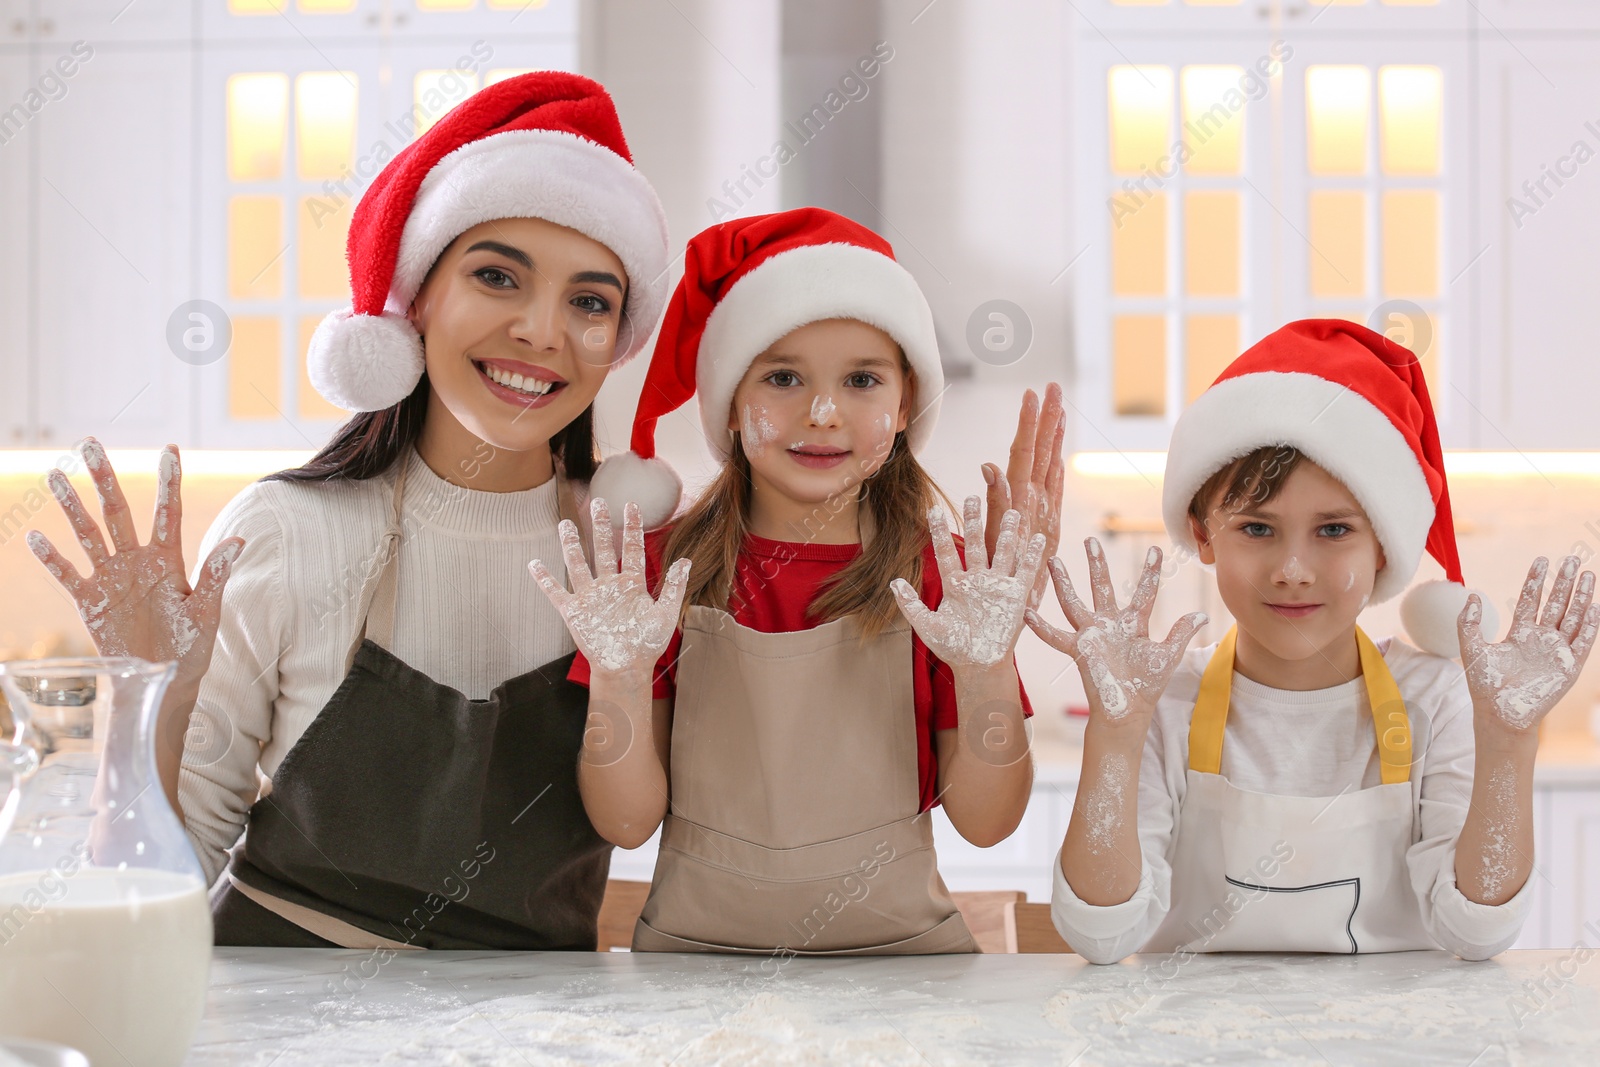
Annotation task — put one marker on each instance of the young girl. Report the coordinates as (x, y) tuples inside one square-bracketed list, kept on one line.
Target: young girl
[(800, 730), (1301, 787), (402, 694)]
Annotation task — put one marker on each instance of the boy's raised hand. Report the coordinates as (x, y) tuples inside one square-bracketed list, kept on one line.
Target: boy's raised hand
[(615, 622), (1525, 675), (1124, 671), (977, 622)]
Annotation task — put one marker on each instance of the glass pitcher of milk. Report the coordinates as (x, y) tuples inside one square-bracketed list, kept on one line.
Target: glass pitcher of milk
[(105, 928)]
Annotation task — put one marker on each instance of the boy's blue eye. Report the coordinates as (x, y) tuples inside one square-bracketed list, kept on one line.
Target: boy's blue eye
[(495, 278), (1339, 528), (1256, 529)]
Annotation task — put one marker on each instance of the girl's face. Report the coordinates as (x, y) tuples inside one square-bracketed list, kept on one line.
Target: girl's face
[(520, 320), (1296, 570), (817, 412)]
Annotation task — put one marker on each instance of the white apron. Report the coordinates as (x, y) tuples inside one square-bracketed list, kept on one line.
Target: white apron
[(1257, 872)]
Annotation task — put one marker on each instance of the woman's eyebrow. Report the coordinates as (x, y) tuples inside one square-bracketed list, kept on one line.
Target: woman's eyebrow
[(516, 255), (597, 277)]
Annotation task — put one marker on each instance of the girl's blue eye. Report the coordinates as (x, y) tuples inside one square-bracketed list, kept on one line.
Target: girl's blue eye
[(1256, 529), (495, 278), (593, 304)]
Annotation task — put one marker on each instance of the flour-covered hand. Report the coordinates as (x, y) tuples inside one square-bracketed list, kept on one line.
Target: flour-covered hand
[(1124, 671), (136, 600), (977, 622), (614, 620), (1525, 675)]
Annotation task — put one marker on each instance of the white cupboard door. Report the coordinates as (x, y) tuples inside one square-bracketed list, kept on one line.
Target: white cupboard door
[(1494, 17), (1540, 222), (113, 256), (58, 23), (17, 137), (1573, 865)]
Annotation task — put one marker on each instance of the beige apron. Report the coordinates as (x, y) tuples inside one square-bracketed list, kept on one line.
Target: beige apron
[(794, 824)]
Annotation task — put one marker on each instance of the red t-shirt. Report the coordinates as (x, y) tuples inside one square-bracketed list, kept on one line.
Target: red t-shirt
[(777, 581)]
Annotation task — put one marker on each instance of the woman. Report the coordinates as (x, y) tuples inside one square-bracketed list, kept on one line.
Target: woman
[(379, 653)]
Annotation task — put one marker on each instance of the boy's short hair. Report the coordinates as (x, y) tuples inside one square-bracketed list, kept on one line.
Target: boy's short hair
[(1252, 479)]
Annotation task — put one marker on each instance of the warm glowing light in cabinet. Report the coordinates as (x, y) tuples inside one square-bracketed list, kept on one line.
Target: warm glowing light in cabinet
[(1141, 117), (1410, 102), (1211, 242), (1139, 249), (321, 234), (1338, 239), (255, 247), (1211, 121), (435, 92), (1411, 242), (325, 123), (1338, 101), (254, 385), (258, 123), (1139, 364), (326, 7), (1209, 344)]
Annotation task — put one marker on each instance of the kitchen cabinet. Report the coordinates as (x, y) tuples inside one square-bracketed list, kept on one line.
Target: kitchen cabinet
[(1538, 220), (1570, 860), (113, 248), (17, 137)]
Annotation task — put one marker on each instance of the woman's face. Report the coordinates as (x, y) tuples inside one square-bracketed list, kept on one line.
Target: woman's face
[(519, 319), (817, 413)]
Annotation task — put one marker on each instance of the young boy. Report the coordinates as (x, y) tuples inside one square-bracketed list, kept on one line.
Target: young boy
[(1300, 787)]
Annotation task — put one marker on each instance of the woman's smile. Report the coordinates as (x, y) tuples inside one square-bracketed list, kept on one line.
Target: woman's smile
[(522, 384)]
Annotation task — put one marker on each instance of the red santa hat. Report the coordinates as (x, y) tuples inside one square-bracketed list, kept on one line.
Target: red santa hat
[(542, 145), (746, 283), (1356, 404)]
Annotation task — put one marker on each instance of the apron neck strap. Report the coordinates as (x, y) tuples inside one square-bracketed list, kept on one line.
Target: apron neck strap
[(377, 620), (1389, 718)]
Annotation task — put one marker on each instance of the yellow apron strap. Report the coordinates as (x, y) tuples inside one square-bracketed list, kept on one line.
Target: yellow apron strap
[(1389, 718), (1211, 709)]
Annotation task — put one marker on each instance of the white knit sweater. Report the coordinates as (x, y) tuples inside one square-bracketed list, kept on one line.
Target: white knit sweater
[(467, 614)]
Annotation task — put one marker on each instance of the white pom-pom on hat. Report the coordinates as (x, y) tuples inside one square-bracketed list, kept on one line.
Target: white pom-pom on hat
[(364, 362), (1429, 612), (628, 477)]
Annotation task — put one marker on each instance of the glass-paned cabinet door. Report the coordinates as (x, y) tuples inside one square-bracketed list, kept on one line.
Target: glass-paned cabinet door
[(289, 147), (1175, 209), (1290, 19), (1377, 219), (16, 147)]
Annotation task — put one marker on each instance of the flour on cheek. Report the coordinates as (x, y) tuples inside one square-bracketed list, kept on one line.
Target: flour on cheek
[(756, 429)]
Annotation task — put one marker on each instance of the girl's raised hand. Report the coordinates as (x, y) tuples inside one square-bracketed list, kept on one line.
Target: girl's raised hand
[(137, 601), (1124, 671), (1033, 478), (615, 622), (1524, 676), (978, 620)]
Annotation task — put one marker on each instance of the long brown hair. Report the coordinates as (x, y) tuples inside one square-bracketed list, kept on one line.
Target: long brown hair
[(897, 495)]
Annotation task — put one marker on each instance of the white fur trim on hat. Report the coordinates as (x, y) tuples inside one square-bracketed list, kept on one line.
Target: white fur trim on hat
[(629, 478), (1337, 428), (1430, 610), (551, 175), (364, 362), (805, 285)]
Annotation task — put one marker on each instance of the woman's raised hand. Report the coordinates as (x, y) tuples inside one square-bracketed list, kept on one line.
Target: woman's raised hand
[(136, 601), (1524, 676), (1033, 478), (616, 623), (1124, 671), (980, 616)]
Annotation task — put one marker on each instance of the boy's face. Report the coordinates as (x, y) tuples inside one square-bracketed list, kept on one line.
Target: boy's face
[(817, 412), (1296, 570)]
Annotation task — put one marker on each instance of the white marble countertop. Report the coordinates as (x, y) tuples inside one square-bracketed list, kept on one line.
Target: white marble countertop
[(287, 1007)]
